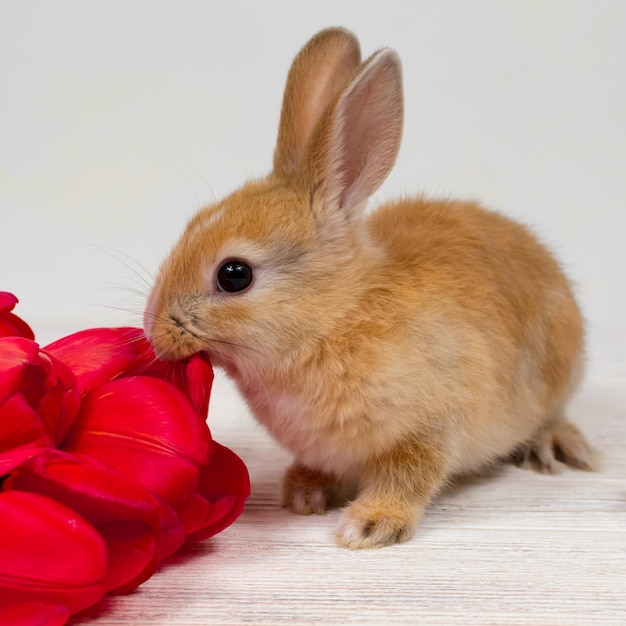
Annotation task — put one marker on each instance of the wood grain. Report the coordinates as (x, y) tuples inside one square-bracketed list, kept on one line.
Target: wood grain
[(515, 547)]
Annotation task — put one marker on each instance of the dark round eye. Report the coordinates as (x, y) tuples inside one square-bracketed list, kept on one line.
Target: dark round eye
[(234, 276)]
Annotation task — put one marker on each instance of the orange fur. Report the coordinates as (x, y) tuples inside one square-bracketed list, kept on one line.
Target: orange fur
[(393, 350)]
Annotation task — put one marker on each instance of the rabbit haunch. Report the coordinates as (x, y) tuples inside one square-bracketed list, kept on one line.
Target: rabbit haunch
[(393, 349)]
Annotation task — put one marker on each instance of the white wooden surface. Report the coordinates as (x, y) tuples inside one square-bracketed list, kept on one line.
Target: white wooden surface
[(512, 548)]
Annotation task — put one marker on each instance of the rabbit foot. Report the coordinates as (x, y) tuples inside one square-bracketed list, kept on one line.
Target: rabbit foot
[(307, 491), (364, 526), (556, 446)]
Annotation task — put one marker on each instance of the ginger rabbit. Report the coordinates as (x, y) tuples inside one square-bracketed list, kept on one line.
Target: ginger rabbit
[(391, 349)]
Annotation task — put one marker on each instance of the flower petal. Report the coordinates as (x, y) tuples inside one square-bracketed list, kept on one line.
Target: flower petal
[(13, 326), (97, 355), (50, 388), (11, 459), (49, 400), (48, 555), (133, 552), (22, 433), (193, 376), (10, 324), (126, 514), (147, 429), (7, 301), (15, 355), (34, 614), (221, 495), (172, 531), (198, 382)]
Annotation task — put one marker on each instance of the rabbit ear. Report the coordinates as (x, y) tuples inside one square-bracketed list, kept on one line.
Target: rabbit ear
[(318, 73), (356, 144)]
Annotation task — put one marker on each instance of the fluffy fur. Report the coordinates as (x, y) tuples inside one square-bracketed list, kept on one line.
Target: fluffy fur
[(391, 350)]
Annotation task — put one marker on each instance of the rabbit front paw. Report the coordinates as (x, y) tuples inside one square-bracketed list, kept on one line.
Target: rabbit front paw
[(366, 526), (307, 491)]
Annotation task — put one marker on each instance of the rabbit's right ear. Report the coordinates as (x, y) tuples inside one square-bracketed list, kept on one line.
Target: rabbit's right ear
[(318, 73)]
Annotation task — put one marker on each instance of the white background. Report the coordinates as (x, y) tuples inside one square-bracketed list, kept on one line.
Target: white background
[(119, 119)]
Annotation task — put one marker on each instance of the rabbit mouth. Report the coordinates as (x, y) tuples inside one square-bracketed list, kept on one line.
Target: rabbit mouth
[(173, 338)]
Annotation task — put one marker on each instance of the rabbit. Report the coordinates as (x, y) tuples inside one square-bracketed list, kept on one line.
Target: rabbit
[(392, 350)]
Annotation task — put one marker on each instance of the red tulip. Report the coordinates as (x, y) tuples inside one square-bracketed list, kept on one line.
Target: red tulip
[(52, 562), (99, 430)]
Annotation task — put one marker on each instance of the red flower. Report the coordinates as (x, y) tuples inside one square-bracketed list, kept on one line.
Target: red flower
[(97, 426)]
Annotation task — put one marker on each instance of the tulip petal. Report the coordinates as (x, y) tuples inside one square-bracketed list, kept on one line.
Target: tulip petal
[(11, 459), (198, 382), (132, 547), (34, 614), (48, 555), (13, 326), (46, 384), (194, 513), (15, 355), (221, 495), (10, 324), (146, 429), (7, 301), (50, 388), (126, 514), (97, 355), (22, 433), (225, 473), (193, 376), (60, 405), (172, 531)]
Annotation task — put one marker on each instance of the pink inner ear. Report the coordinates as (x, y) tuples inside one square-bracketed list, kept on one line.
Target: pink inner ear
[(358, 131), (368, 127)]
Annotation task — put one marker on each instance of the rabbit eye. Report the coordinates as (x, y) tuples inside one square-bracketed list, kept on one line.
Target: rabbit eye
[(234, 276)]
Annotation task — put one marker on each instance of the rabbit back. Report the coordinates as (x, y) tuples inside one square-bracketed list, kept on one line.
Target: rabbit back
[(492, 317)]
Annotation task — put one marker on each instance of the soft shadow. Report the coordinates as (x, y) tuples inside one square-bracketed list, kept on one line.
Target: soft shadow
[(477, 479), (107, 605), (104, 607), (189, 552)]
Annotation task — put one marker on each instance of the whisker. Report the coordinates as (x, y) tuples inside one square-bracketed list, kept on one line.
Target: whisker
[(140, 313), (198, 173), (118, 286), (213, 341), (118, 308), (126, 262)]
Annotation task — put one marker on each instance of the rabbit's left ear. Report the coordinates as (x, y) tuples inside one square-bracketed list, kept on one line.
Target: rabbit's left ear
[(318, 73), (356, 144)]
